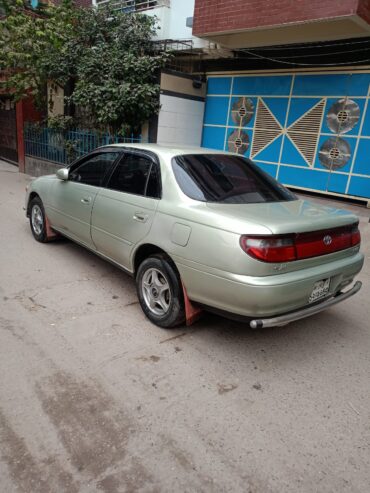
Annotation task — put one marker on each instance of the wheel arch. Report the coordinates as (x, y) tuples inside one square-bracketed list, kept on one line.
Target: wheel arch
[(33, 195), (192, 311), (146, 250)]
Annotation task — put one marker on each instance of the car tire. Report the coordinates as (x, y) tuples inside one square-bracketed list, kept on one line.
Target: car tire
[(37, 220), (160, 293)]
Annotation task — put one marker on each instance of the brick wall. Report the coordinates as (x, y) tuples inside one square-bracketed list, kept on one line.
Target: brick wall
[(212, 16)]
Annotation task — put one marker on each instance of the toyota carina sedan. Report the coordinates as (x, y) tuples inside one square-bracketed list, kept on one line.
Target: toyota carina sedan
[(201, 229)]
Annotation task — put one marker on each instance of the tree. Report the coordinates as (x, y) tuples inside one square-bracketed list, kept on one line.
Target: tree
[(29, 40), (104, 57)]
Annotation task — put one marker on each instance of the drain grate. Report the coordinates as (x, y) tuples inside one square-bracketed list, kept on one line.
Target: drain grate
[(334, 153), (342, 116), (242, 111)]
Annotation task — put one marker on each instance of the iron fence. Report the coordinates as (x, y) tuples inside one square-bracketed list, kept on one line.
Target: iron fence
[(128, 6), (63, 147)]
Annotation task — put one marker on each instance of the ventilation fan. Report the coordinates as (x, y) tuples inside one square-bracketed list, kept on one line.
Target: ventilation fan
[(334, 153), (238, 142), (343, 115), (242, 111)]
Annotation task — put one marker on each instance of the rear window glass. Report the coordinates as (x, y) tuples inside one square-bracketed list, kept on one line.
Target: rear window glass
[(226, 178)]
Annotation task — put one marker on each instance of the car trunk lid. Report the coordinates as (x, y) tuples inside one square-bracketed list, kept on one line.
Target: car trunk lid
[(315, 231), (296, 216)]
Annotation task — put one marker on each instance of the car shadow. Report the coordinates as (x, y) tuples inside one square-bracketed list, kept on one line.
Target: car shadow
[(292, 344)]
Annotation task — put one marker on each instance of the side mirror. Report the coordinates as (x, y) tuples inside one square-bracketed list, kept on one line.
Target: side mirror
[(62, 174)]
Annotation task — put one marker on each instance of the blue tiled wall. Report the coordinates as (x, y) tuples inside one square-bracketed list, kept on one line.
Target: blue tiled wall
[(288, 98)]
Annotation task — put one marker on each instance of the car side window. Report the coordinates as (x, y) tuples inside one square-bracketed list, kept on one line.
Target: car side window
[(137, 175), (153, 188), (92, 171)]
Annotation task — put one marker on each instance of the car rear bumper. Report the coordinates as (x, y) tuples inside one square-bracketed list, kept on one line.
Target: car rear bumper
[(268, 296), (305, 312)]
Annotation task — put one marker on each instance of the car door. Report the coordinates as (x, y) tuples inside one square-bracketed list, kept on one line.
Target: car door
[(70, 202), (123, 211)]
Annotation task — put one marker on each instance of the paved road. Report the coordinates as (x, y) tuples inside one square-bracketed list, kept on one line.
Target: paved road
[(95, 398)]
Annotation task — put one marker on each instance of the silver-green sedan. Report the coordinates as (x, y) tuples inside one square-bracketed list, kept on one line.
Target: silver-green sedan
[(201, 229)]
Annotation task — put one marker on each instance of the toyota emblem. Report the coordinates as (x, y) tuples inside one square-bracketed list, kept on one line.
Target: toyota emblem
[(327, 240)]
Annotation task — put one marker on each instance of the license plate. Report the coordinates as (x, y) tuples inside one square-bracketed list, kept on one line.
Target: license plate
[(320, 289)]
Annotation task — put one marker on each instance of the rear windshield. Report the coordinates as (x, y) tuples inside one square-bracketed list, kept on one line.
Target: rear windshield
[(226, 178)]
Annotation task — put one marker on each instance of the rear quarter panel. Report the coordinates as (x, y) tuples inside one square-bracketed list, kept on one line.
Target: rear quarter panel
[(214, 232), (213, 243)]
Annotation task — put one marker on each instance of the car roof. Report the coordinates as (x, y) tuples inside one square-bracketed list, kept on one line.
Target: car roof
[(169, 150)]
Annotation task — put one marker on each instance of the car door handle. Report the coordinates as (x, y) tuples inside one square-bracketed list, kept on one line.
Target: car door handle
[(86, 200), (139, 216)]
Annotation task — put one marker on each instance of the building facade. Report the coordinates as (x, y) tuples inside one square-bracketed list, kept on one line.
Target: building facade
[(250, 23), (284, 83), (295, 96), (308, 130)]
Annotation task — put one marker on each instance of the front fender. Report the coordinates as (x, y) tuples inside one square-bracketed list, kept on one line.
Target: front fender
[(39, 186)]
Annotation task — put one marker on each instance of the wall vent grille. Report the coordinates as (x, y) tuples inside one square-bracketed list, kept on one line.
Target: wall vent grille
[(305, 131), (267, 128)]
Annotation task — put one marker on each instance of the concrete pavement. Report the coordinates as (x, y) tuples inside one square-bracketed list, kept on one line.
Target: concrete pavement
[(95, 398)]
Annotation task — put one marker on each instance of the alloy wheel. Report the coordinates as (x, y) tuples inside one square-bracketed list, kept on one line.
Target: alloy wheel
[(37, 219), (156, 291)]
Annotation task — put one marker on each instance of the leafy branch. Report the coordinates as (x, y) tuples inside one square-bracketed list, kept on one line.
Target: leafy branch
[(102, 57)]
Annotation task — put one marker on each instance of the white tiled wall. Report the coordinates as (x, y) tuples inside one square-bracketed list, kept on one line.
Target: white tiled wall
[(180, 121)]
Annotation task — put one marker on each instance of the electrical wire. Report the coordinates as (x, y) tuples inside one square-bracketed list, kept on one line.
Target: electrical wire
[(324, 54), (302, 46), (312, 55), (277, 60)]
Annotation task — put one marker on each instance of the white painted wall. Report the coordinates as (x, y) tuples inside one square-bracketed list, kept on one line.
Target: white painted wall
[(180, 121), (172, 21)]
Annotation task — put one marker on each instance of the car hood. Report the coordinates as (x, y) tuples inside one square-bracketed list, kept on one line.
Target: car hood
[(295, 216)]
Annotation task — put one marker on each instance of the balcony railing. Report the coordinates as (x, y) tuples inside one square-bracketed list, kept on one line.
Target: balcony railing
[(135, 5)]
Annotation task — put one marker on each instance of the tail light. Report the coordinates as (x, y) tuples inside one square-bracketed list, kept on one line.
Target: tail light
[(269, 248), (286, 248), (355, 235)]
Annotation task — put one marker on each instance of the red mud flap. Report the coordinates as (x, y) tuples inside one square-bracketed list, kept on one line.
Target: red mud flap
[(50, 234), (192, 311)]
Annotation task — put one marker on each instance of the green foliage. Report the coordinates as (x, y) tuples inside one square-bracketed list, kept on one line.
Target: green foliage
[(104, 57), (71, 149), (60, 122), (29, 40)]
